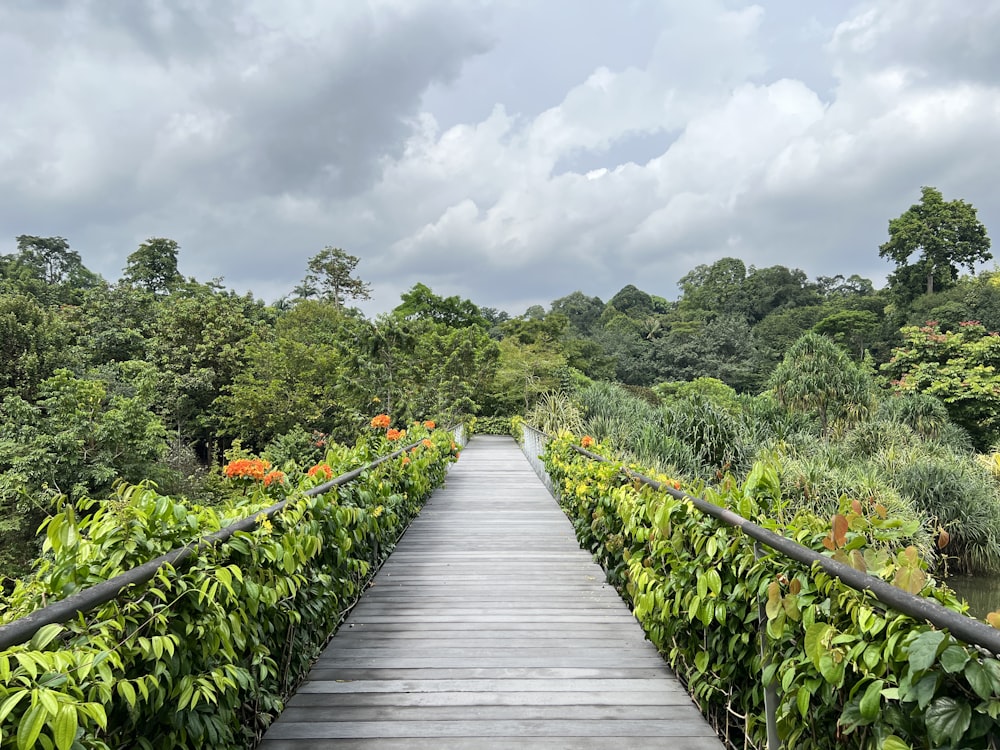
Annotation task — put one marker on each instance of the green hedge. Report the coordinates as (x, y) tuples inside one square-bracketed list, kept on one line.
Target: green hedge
[(204, 656), (848, 673)]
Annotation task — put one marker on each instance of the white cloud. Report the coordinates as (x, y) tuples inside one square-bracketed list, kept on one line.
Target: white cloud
[(489, 149)]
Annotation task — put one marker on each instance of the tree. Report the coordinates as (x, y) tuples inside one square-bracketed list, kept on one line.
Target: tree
[(48, 270), (717, 288), (330, 272), (947, 235), (582, 311), (153, 267), (421, 303), (959, 367), (776, 288), (855, 330), (838, 287), (33, 343), (816, 376)]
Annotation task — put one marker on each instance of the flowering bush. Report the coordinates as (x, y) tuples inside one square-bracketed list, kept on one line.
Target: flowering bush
[(262, 603), (273, 477), (322, 470), (381, 421), (247, 468)]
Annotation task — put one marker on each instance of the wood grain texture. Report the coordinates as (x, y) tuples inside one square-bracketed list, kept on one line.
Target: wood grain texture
[(489, 627)]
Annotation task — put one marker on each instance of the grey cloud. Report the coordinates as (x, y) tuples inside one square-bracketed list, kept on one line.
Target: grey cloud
[(939, 42), (449, 142)]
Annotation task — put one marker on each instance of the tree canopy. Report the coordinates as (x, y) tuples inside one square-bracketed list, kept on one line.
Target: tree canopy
[(947, 235)]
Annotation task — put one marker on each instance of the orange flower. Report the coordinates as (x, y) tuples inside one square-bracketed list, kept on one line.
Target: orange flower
[(427, 443), (587, 441), (406, 460), (381, 421), (247, 468), (323, 469), (274, 476), (394, 435), (429, 424)]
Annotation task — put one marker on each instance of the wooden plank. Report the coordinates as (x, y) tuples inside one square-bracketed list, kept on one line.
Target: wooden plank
[(491, 743), (489, 627), (470, 728)]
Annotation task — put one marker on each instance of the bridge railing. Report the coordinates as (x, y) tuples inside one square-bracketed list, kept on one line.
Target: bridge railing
[(200, 646), (923, 609), (967, 629), (23, 629)]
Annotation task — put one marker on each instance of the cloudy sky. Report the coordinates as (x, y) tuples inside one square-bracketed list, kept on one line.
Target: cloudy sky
[(508, 151)]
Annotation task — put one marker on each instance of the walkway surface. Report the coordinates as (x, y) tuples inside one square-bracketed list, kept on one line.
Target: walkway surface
[(488, 627)]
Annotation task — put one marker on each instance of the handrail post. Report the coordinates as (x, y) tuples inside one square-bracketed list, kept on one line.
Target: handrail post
[(770, 691)]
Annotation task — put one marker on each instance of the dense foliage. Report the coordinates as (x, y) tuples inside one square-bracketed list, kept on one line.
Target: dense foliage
[(836, 657), (203, 656), (120, 403)]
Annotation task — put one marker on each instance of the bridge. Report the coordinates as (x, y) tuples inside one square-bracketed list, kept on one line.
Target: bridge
[(489, 627)]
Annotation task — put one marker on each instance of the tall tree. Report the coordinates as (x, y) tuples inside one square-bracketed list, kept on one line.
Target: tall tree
[(421, 303), (716, 288), (330, 271), (582, 311), (946, 234), (153, 267), (47, 269)]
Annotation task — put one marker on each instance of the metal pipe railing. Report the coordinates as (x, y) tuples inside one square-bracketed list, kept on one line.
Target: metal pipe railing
[(966, 629), (24, 628)]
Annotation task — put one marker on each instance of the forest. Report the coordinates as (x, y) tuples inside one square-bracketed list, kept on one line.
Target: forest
[(843, 388)]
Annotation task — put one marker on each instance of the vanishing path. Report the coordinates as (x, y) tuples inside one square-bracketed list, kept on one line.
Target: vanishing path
[(489, 627)]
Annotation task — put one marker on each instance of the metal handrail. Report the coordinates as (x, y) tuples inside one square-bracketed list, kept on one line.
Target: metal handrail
[(24, 628), (963, 627)]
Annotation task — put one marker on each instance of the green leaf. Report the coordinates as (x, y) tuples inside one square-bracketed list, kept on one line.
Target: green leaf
[(787, 678), (923, 649), (947, 719), (892, 742), (30, 727), (831, 666), (126, 691), (791, 604), (924, 690), (992, 669), (953, 658), (767, 677), (701, 661), (979, 679), (871, 701), (47, 699), (872, 656), (816, 641), (802, 701), (44, 636), (714, 582), (693, 608), (64, 727), (11, 703)]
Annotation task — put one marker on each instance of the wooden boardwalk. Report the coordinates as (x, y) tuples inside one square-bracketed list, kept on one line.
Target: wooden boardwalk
[(489, 627)]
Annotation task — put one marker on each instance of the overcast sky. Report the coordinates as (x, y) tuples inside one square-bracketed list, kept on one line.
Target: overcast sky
[(508, 151)]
